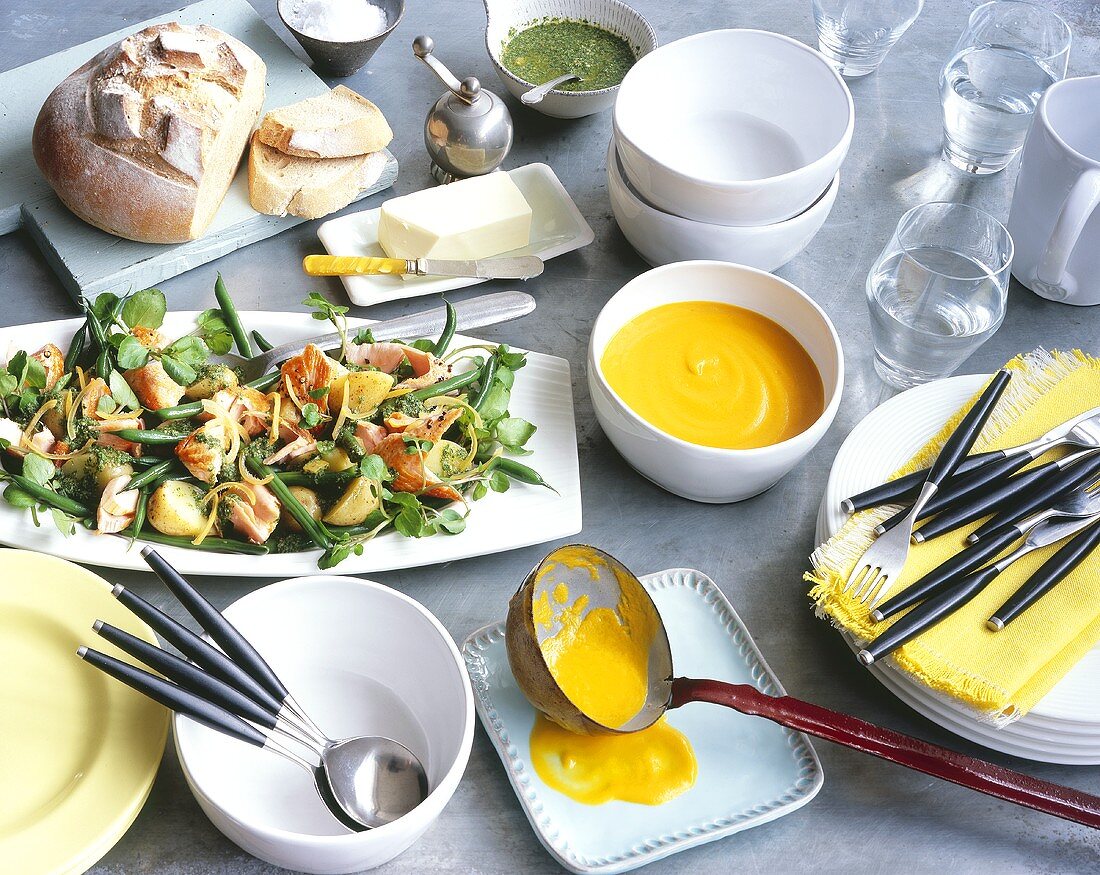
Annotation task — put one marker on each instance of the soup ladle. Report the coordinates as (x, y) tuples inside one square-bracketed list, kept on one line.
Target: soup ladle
[(594, 574)]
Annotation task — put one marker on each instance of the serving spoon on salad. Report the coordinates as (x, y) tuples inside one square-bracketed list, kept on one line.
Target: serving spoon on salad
[(602, 578), (489, 309)]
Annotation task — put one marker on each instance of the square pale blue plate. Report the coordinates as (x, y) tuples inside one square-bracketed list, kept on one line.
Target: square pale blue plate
[(751, 771)]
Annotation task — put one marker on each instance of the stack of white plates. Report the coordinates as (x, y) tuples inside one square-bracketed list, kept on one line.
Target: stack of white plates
[(1064, 727)]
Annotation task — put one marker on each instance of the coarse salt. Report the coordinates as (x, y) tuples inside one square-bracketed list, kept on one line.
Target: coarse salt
[(341, 21)]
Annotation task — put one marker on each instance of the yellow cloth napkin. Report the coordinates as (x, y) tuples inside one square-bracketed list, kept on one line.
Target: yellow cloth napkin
[(1000, 675)]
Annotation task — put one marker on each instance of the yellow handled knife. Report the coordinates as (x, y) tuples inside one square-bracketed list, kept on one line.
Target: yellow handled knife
[(518, 267)]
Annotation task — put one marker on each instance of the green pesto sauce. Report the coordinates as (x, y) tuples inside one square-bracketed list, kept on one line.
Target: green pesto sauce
[(541, 52)]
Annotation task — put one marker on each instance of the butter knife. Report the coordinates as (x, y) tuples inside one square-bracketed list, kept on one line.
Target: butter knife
[(508, 268)]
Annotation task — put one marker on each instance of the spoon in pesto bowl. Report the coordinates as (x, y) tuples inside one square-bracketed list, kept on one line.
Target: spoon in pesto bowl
[(548, 628), (536, 94)]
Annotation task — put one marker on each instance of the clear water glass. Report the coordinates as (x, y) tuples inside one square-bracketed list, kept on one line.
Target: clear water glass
[(937, 291), (856, 34), (1009, 54)]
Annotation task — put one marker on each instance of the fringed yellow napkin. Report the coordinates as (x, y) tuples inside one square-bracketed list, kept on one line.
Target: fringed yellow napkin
[(1000, 675)]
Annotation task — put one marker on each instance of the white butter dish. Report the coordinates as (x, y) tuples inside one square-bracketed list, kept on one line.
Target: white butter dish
[(557, 227), (751, 771)]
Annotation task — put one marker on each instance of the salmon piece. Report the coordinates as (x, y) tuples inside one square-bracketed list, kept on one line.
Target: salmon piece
[(153, 387), (95, 390), (299, 448), (437, 373), (396, 423), (255, 520), (369, 435), (203, 451), (308, 371), (410, 475), (387, 357), (43, 441), (245, 405), (52, 360), (117, 505)]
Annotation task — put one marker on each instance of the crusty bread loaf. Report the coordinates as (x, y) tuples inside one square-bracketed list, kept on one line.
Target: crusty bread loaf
[(337, 124), (143, 140), (279, 184)]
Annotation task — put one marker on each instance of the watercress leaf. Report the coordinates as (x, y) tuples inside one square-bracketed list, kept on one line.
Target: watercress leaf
[(409, 523), (34, 376), (506, 376), (145, 309), (499, 482), (115, 338), (188, 350), (214, 331), (105, 405), (373, 468), (318, 394), (65, 523), (450, 521), (512, 360), (29, 402), (131, 353), (405, 500), (8, 383), (514, 432), (179, 371), (311, 415), (495, 404), (17, 365), (103, 306), (38, 469), (364, 335), (16, 497), (480, 490), (122, 393), (424, 345)]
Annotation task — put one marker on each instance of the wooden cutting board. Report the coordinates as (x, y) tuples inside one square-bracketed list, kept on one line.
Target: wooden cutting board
[(90, 261)]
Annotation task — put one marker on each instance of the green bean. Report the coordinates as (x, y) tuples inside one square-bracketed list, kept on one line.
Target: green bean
[(147, 476), (262, 384), (47, 496), (139, 514), (448, 331), (215, 545), (76, 348), (520, 472), (485, 382), (315, 530), (325, 478), (448, 385), (149, 436), (232, 318), (262, 342)]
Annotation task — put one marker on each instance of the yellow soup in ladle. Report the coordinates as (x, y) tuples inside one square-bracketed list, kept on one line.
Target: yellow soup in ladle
[(714, 374), (599, 658)]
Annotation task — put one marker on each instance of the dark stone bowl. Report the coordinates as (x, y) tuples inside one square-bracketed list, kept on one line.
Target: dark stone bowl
[(344, 58)]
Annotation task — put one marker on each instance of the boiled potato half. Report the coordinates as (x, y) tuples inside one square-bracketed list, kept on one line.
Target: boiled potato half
[(366, 390), (175, 508), (355, 505), (308, 499)]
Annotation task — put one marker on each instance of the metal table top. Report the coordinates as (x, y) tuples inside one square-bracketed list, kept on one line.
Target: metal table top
[(870, 816)]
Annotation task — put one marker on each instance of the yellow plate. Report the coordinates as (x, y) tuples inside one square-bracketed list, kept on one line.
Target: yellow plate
[(78, 750)]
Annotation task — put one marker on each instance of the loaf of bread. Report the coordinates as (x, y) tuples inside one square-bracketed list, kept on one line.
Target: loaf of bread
[(337, 124), (280, 184), (144, 140)]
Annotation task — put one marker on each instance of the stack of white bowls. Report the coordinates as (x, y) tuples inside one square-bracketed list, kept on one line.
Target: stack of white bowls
[(727, 145)]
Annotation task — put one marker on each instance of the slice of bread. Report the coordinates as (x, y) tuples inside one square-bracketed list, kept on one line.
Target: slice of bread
[(279, 184), (338, 124)]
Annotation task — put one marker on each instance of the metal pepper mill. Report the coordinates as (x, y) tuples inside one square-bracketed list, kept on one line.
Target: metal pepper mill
[(469, 130)]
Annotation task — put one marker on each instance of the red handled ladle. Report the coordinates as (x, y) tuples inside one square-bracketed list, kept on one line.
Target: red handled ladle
[(603, 579)]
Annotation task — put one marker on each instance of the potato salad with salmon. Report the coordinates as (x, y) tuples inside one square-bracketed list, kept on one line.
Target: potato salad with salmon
[(135, 434)]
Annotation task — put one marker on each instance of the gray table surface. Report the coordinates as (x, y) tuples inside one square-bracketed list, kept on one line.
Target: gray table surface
[(870, 816)]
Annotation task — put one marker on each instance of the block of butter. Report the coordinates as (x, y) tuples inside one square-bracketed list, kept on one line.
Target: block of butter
[(471, 218)]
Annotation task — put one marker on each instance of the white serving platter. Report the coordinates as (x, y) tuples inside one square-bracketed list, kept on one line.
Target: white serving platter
[(88, 260), (751, 771), (557, 227), (522, 516), (1063, 727)]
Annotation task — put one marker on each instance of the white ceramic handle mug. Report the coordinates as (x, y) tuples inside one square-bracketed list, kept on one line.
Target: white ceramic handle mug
[(1055, 222)]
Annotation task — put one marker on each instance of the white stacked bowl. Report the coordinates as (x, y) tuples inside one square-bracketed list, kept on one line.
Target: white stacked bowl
[(726, 131)]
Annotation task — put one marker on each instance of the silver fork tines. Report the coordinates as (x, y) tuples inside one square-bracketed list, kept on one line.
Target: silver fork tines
[(883, 561)]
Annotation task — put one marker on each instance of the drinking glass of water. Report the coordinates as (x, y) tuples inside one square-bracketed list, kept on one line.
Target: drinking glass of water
[(856, 34), (937, 291), (1009, 53)]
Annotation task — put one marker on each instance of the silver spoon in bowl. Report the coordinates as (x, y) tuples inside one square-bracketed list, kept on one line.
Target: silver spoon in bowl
[(536, 94)]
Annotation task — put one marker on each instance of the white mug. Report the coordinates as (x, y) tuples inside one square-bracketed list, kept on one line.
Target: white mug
[(1055, 222)]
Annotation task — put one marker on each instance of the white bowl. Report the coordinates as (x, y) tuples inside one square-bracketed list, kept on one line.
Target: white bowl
[(713, 474), (362, 659), (661, 237), (733, 127), (506, 16)]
